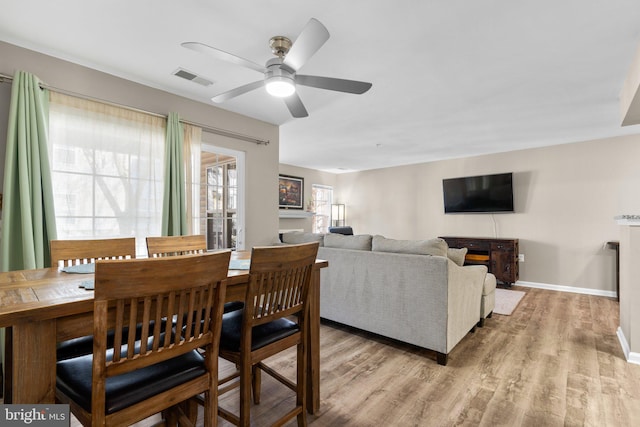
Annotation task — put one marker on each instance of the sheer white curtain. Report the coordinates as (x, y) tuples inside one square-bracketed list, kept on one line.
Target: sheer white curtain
[(192, 147), (107, 170)]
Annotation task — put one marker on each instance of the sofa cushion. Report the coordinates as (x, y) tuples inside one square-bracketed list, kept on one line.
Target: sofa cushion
[(457, 255), (419, 247), (297, 237), (360, 242)]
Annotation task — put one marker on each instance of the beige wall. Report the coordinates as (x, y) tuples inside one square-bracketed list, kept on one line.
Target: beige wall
[(261, 160), (311, 177), (565, 199)]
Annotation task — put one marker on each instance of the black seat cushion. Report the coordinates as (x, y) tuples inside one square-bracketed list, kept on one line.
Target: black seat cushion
[(74, 379), (82, 346), (260, 335), (233, 305)]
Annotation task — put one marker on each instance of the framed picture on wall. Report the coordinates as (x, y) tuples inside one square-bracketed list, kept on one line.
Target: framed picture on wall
[(291, 192)]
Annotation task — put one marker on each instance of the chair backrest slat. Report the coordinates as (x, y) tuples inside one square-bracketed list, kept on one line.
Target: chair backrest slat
[(65, 253), (176, 245), (146, 320)]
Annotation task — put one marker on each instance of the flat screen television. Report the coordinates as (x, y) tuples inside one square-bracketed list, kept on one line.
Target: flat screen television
[(479, 194)]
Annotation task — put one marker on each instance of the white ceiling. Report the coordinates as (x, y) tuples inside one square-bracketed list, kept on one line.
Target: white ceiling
[(451, 78)]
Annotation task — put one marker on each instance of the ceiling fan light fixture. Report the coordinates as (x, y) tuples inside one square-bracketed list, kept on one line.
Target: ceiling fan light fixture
[(280, 86), (280, 73)]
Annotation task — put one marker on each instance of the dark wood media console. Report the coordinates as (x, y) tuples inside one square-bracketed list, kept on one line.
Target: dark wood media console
[(499, 255)]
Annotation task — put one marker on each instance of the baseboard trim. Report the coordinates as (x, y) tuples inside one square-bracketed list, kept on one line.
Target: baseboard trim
[(573, 289), (628, 354)]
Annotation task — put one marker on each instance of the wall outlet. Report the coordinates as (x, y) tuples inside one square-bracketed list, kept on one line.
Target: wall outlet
[(520, 257)]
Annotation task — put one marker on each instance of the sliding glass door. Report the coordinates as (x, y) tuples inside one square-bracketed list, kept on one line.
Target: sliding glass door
[(222, 197)]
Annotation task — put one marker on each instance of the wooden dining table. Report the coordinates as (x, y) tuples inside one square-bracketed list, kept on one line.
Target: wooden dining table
[(45, 306)]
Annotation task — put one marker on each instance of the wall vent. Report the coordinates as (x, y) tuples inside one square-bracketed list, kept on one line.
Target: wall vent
[(188, 75)]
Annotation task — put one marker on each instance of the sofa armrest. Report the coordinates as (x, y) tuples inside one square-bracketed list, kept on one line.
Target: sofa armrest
[(464, 294)]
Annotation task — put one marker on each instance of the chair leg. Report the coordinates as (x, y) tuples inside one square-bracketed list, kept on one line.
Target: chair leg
[(170, 417), (192, 411), (301, 384), (245, 394), (256, 383), (183, 415)]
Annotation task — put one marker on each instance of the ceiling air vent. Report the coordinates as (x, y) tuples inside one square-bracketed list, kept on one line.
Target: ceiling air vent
[(188, 75)]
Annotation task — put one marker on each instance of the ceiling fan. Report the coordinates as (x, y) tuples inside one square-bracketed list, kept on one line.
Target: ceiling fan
[(280, 73)]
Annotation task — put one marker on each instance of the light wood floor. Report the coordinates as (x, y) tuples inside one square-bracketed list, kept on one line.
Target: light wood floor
[(555, 362)]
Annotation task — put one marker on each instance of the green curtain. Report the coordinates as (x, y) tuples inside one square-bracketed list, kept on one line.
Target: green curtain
[(28, 222), (174, 214)]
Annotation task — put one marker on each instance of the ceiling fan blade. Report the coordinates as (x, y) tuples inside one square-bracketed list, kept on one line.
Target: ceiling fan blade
[(295, 106), (312, 37), (330, 83), (225, 96), (222, 55)]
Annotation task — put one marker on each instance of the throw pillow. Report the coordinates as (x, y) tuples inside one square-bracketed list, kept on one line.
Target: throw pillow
[(435, 246), (457, 255), (361, 242)]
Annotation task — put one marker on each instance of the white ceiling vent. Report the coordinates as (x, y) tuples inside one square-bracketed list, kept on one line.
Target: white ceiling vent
[(188, 75)]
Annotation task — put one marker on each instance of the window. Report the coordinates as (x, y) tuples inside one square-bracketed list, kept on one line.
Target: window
[(107, 170), (321, 198)]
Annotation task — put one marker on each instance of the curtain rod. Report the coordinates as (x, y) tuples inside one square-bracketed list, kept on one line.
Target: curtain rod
[(223, 132)]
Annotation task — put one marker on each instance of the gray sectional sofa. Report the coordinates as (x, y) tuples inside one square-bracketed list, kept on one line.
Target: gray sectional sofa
[(415, 291)]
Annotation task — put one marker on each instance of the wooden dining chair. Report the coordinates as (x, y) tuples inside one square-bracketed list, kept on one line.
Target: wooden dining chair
[(162, 369), (72, 252), (183, 245), (274, 319), (66, 253), (176, 245)]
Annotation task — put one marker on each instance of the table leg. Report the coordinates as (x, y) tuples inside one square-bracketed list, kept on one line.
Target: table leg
[(313, 353), (34, 362)]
